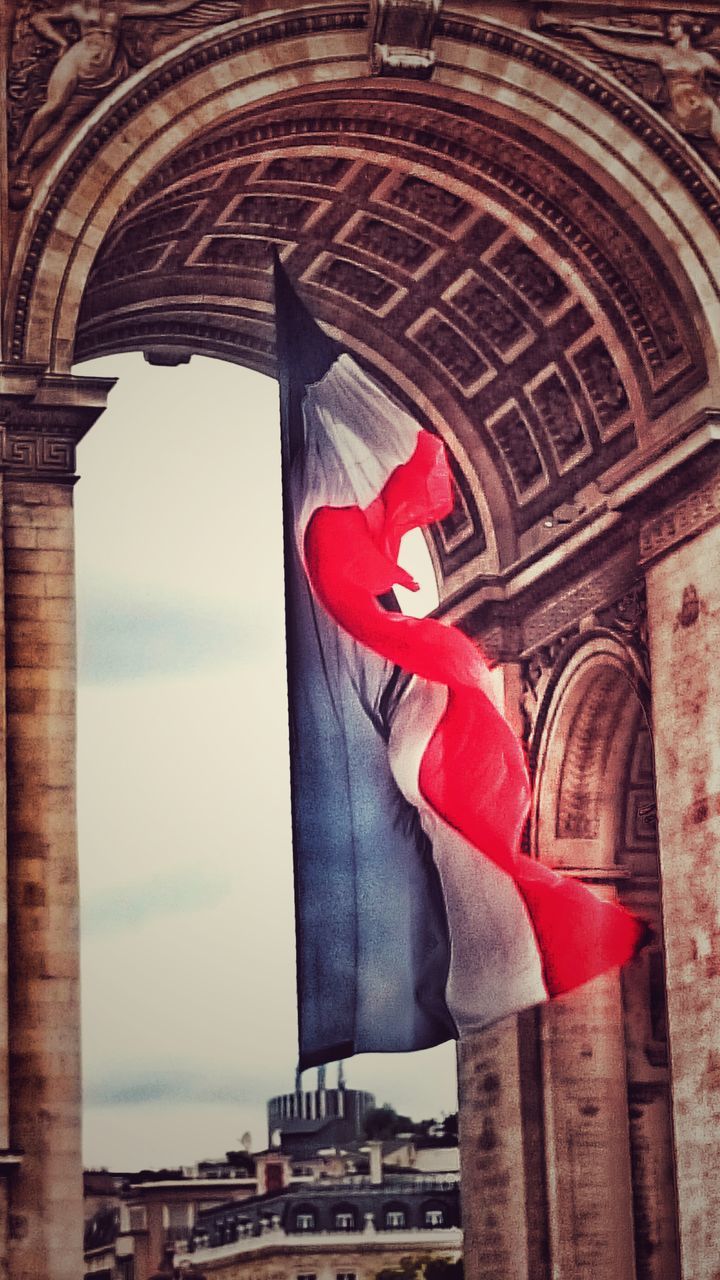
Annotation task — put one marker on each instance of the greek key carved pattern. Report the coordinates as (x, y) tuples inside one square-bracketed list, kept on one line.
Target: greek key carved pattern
[(689, 515), (31, 454)]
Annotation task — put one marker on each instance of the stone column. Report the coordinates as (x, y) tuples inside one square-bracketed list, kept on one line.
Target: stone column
[(496, 1216), (37, 444), (502, 1143), (588, 1149), (680, 546)]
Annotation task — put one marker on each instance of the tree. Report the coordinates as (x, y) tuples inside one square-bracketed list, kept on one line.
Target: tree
[(423, 1268), (384, 1122)]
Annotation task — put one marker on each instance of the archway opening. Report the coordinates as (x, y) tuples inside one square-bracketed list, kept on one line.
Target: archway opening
[(186, 868)]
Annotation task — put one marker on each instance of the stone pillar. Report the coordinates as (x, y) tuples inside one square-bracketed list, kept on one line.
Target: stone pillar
[(680, 547), (587, 1135), (492, 1156), (37, 452)]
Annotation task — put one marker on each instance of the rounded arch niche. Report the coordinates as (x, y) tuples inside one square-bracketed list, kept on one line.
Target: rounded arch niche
[(594, 714)]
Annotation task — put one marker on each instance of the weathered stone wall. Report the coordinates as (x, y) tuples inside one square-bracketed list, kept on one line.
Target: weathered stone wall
[(42, 883), (684, 611)]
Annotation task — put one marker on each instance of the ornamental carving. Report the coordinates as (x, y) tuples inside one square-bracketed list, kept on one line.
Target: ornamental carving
[(586, 751), (365, 287), (443, 342), (486, 312), (556, 411), (442, 208), (535, 674), (533, 279), (287, 213), (36, 456), (392, 243), (689, 515), (514, 439), (628, 616), (672, 61), (66, 56), (401, 37), (603, 384)]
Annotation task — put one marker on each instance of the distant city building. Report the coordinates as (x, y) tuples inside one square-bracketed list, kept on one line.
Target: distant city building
[(352, 1227), (310, 1205), (303, 1121)]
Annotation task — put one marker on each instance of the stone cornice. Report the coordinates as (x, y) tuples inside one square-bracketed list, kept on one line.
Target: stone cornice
[(676, 494), (539, 598), (42, 418)]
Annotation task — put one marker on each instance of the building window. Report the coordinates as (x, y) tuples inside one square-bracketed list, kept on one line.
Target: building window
[(395, 1219), (434, 1218), (176, 1215), (305, 1221), (346, 1275), (307, 1275), (274, 1180), (138, 1218), (344, 1220)]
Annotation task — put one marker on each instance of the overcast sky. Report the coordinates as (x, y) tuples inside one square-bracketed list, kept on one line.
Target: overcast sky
[(186, 873)]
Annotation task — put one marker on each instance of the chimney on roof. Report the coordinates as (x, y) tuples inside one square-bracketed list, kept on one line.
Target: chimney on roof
[(376, 1173)]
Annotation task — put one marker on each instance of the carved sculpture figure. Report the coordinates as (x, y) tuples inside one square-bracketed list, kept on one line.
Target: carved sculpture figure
[(86, 34), (685, 63)]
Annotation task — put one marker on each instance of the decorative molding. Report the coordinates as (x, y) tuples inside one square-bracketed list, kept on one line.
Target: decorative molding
[(37, 456), (602, 382), (627, 617), (668, 60), (536, 673), (401, 36), (43, 417), (586, 750), (689, 515), (574, 602), (65, 57), (619, 104)]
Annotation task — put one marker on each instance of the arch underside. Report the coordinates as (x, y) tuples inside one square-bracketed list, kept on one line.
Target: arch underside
[(496, 287)]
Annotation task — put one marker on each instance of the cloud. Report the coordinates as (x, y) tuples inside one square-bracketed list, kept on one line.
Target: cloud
[(163, 1086), (124, 638), (127, 908)]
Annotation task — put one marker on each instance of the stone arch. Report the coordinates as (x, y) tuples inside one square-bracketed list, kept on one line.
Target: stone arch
[(190, 89), (513, 133)]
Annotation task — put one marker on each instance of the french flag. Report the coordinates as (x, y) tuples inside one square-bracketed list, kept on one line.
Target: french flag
[(418, 917)]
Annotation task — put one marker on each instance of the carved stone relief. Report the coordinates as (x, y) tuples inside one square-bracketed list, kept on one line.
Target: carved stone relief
[(689, 514), (534, 280), (626, 616), (670, 60), (558, 414), (394, 244), (514, 439), (67, 55), (401, 37), (602, 382)]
